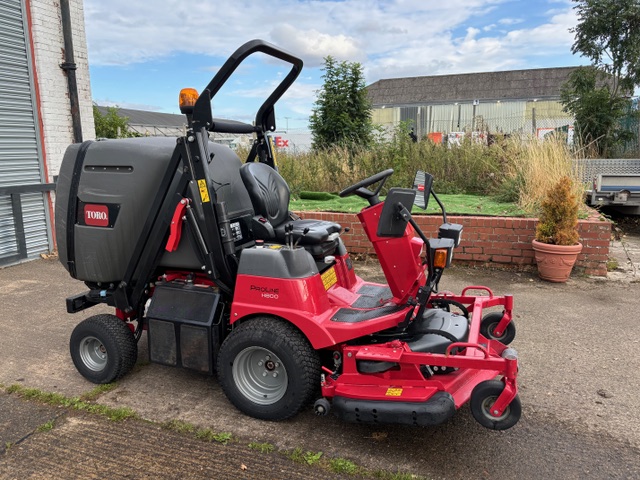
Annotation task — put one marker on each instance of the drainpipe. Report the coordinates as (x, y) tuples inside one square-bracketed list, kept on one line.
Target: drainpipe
[(69, 66)]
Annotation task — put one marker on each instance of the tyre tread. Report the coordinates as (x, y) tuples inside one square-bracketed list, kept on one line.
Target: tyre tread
[(116, 329), (306, 357)]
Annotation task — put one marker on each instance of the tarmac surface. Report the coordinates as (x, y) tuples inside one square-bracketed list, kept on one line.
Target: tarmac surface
[(578, 345)]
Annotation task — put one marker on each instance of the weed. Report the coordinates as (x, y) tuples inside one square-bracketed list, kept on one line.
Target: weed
[(210, 436), (45, 427), (262, 447), (297, 455), (612, 264), (386, 475), (179, 426), (8, 445), (115, 414), (312, 457), (223, 437), (341, 465), (205, 434), (98, 390)]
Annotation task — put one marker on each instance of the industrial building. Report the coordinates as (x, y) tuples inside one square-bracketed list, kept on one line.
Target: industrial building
[(516, 101)]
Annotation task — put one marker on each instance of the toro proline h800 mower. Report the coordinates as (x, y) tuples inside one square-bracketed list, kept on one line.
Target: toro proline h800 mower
[(200, 250)]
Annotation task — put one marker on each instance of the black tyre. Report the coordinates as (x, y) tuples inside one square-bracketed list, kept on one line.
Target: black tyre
[(268, 369), (490, 322), (483, 396), (103, 348)]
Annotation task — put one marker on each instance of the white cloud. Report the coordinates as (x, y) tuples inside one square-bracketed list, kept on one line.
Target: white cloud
[(391, 38), (313, 46), (510, 21)]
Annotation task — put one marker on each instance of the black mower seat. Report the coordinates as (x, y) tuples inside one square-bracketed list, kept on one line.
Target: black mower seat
[(270, 194)]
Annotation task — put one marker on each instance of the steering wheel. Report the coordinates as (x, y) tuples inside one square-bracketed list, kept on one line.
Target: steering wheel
[(361, 190)]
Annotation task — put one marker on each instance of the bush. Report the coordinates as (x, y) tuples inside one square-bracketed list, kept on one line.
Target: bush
[(470, 168), (559, 215), (516, 170)]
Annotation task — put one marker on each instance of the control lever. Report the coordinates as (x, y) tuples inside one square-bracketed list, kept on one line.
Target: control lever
[(288, 235), (304, 232)]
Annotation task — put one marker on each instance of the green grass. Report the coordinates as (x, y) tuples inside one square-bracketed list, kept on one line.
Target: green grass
[(262, 447), (98, 390), (179, 426), (386, 475), (341, 465), (45, 427), (57, 399), (459, 204), (300, 456)]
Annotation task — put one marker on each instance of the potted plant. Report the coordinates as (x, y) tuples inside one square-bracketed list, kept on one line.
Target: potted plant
[(556, 243)]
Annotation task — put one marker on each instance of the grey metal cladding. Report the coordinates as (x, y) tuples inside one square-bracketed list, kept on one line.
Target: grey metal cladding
[(514, 84)]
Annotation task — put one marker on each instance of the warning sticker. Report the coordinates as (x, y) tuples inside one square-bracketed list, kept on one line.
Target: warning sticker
[(272, 147), (204, 191), (393, 392), (329, 278)]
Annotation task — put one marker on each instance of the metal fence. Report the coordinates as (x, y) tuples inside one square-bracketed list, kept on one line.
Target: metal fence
[(526, 117)]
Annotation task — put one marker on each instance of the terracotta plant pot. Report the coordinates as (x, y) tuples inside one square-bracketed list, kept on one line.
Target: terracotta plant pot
[(555, 261)]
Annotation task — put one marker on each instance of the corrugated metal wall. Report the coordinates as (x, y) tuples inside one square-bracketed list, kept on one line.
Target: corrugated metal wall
[(511, 116), (20, 160)]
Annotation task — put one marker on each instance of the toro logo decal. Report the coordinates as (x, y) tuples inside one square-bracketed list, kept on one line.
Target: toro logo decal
[(96, 215), (266, 292)]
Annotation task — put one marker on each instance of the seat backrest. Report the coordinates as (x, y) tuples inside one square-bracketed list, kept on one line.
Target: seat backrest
[(268, 191)]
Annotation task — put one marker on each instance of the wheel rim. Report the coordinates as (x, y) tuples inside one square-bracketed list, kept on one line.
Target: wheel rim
[(93, 354), (487, 403), (260, 375), (492, 328)]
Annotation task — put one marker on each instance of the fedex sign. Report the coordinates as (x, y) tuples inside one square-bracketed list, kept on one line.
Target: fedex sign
[(281, 142)]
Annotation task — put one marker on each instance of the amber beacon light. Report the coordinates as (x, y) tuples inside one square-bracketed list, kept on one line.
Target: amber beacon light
[(187, 100)]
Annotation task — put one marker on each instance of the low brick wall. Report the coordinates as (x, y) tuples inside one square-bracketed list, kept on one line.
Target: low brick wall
[(497, 242)]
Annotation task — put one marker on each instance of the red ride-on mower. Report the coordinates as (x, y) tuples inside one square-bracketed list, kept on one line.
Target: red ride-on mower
[(200, 250)]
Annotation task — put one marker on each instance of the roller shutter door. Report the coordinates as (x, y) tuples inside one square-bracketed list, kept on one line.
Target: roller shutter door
[(20, 159)]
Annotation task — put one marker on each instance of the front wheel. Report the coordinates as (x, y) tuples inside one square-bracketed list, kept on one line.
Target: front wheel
[(483, 396), (103, 348), (268, 369), (489, 324)]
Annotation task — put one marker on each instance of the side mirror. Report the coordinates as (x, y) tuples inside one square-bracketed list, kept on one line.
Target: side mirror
[(422, 184)]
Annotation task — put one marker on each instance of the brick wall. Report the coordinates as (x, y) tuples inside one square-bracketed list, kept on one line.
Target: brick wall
[(46, 31), (492, 241)]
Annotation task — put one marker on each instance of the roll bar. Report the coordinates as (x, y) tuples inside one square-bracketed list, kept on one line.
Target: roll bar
[(265, 117)]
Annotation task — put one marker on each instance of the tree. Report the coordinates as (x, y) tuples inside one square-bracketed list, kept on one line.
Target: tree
[(597, 109), (111, 125), (608, 33), (342, 112)]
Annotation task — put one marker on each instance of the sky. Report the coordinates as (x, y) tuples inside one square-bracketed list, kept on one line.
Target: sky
[(141, 53)]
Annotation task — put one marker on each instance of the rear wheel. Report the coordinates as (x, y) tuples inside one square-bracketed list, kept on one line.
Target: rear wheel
[(483, 396), (103, 348), (489, 324), (268, 369)]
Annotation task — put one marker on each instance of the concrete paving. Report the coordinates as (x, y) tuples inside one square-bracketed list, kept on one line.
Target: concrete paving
[(578, 345)]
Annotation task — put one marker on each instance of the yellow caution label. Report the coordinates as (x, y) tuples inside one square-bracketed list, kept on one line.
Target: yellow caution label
[(204, 191), (275, 247), (393, 392), (272, 147), (329, 278)]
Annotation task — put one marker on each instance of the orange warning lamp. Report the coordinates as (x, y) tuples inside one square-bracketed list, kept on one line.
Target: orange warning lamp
[(187, 100)]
